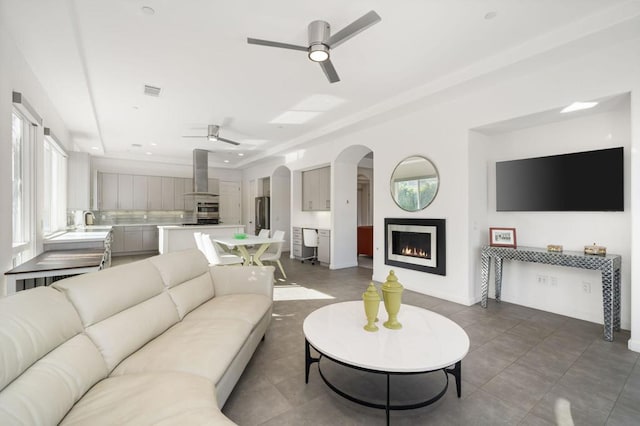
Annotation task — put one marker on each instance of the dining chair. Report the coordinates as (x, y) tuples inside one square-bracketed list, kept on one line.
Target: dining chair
[(252, 249), (217, 257), (273, 252)]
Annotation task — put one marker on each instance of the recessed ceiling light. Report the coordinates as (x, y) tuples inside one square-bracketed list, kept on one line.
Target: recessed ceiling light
[(240, 154), (148, 10), (577, 106), (226, 161), (95, 148), (149, 153), (153, 144), (490, 15)]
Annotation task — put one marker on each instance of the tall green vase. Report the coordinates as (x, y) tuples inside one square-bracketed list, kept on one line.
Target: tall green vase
[(371, 300), (392, 295)]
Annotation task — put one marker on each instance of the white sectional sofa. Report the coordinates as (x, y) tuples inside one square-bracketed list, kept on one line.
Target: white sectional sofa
[(159, 341)]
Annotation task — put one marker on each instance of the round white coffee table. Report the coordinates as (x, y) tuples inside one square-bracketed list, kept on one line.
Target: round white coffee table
[(426, 343)]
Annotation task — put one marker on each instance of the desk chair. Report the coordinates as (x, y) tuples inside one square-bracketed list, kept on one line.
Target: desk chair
[(272, 254), (310, 239)]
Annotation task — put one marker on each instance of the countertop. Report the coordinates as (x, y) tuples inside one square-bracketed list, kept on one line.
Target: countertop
[(60, 260), (169, 227), (79, 235)]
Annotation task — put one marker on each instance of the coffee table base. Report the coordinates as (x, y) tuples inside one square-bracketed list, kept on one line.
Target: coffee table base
[(455, 371)]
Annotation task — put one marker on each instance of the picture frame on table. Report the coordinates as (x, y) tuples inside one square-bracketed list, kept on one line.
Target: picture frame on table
[(502, 237)]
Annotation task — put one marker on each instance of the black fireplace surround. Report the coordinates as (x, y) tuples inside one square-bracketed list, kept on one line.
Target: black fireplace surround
[(418, 244)]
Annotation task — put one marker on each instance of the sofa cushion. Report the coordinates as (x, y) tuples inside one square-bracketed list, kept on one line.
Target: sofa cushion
[(33, 323), (247, 307), (186, 275), (205, 348), (102, 294), (124, 333), (145, 399), (49, 388)]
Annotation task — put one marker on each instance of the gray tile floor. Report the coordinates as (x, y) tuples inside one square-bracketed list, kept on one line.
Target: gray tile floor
[(522, 364)]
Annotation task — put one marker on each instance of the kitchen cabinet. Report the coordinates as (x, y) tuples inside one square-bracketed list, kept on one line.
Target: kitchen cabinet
[(316, 189), (178, 193), (324, 246), (129, 239), (140, 193), (108, 191), (79, 181), (214, 186), (125, 192), (168, 193), (188, 201), (154, 193)]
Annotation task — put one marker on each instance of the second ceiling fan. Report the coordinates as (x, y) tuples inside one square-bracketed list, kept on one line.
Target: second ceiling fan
[(213, 132), (321, 41)]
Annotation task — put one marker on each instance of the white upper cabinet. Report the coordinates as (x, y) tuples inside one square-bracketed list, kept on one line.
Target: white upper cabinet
[(316, 189)]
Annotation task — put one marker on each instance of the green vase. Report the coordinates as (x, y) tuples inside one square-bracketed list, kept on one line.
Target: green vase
[(371, 300), (392, 295)]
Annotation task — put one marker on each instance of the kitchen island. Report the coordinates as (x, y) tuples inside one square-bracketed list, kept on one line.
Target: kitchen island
[(180, 237)]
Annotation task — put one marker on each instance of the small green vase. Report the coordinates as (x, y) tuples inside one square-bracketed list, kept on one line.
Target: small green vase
[(392, 295), (371, 300)]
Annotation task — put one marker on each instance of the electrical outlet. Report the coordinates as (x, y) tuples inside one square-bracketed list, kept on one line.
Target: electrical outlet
[(543, 279), (586, 287)]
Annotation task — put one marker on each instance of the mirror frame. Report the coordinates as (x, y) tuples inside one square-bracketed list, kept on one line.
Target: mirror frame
[(391, 182)]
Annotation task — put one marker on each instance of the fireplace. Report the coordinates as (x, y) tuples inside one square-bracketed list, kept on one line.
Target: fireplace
[(417, 244)]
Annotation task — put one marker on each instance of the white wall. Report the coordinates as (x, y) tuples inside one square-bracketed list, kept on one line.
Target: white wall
[(16, 75), (438, 127), (572, 230)]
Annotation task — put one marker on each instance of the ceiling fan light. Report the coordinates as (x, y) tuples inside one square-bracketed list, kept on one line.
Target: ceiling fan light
[(318, 52)]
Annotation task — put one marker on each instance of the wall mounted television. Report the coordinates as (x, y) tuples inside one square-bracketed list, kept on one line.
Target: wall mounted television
[(580, 181)]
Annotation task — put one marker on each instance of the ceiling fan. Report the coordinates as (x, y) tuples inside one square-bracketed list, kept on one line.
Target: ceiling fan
[(321, 41), (212, 135)]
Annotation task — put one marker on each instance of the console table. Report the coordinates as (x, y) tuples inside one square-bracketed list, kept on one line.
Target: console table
[(609, 265)]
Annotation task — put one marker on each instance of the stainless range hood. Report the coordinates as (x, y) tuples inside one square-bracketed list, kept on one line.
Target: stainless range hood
[(200, 174)]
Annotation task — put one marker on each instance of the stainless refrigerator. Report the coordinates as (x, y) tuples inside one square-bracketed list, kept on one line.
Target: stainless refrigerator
[(262, 214)]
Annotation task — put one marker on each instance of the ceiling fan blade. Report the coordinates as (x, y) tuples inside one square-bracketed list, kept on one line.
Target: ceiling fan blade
[(329, 71), (354, 28), (276, 44), (228, 141)]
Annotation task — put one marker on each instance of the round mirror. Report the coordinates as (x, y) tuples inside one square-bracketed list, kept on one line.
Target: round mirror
[(414, 183)]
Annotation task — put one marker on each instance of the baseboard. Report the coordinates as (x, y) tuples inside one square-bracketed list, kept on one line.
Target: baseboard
[(634, 345), (342, 265)]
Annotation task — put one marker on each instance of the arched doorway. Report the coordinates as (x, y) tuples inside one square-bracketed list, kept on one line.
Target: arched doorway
[(345, 211)]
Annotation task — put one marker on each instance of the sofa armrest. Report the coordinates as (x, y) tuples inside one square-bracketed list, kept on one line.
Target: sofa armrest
[(242, 279)]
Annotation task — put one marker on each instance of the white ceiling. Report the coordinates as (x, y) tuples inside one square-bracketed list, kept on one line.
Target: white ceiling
[(93, 57)]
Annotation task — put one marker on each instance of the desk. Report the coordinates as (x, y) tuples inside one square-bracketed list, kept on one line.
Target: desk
[(56, 263), (242, 244), (609, 265)]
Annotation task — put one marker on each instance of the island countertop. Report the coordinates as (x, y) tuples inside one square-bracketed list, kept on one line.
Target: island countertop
[(196, 227)]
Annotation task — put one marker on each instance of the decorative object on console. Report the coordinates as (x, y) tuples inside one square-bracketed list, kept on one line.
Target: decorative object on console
[(371, 300), (418, 244), (595, 250), (502, 237), (241, 236), (392, 295), (554, 248), (414, 183)]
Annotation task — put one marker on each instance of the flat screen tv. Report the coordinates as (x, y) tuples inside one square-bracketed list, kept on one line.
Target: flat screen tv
[(580, 181)]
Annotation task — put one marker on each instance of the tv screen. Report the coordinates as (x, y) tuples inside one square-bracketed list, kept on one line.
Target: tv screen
[(581, 181)]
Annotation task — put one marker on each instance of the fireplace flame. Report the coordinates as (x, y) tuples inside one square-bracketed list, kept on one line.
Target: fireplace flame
[(411, 251)]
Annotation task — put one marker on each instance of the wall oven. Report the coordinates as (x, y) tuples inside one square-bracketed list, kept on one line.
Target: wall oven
[(207, 212)]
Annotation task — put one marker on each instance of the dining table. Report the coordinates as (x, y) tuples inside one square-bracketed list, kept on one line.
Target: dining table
[(242, 244)]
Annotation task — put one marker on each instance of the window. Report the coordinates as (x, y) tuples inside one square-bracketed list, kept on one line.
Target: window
[(55, 187), (22, 135)]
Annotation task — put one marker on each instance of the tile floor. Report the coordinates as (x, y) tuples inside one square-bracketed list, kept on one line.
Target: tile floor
[(521, 365)]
